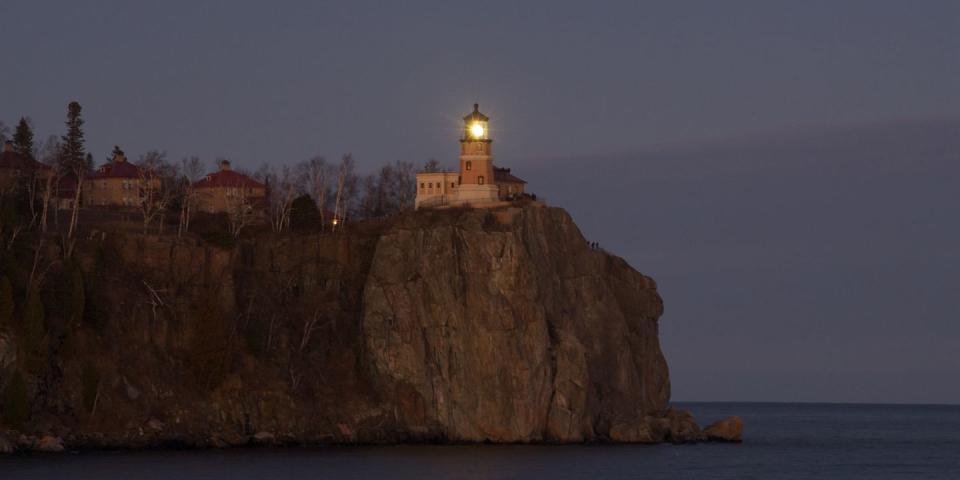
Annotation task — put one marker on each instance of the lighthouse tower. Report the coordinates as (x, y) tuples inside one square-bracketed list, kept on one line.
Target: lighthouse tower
[(477, 184)]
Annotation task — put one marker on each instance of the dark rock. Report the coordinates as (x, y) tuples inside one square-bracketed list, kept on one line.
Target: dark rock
[(6, 446), (729, 429), (264, 438), (49, 444)]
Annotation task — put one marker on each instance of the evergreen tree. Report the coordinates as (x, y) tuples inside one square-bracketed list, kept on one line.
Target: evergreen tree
[(6, 303), (16, 406), (304, 215), (116, 151), (23, 139), (72, 151)]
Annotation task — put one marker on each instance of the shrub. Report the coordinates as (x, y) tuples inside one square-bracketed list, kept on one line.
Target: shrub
[(16, 405), (304, 215)]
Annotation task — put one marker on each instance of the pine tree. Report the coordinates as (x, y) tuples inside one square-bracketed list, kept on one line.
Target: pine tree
[(6, 303), (116, 151), (23, 139), (74, 161), (72, 152)]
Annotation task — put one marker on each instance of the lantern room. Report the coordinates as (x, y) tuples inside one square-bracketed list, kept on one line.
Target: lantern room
[(476, 126)]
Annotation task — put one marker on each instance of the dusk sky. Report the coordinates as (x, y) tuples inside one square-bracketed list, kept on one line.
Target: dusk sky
[(787, 170)]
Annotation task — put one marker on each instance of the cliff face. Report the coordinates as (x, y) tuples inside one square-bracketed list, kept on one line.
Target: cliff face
[(460, 325), (510, 328)]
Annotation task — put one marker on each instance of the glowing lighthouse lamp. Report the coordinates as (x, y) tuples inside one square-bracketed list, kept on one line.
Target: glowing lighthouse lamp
[(477, 130), (476, 124)]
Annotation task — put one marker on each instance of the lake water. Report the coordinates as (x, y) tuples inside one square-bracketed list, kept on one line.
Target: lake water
[(781, 441)]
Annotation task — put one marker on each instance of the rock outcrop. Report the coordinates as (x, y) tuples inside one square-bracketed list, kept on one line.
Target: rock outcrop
[(729, 429), (49, 444), (456, 326), (509, 328)]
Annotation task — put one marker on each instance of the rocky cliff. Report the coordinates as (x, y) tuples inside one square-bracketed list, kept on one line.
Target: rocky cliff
[(450, 326)]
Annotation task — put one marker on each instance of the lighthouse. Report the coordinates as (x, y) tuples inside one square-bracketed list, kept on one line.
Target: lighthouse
[(478, 183)]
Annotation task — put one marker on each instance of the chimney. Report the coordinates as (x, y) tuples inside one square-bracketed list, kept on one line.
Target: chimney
[(7, 146), (224, 165)]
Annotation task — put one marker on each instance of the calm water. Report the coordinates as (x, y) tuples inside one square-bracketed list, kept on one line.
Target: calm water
[(781, 441)]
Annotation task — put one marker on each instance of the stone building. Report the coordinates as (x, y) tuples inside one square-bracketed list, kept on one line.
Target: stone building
[(226, 191), (478, 183), (508, 185), (117, 183)]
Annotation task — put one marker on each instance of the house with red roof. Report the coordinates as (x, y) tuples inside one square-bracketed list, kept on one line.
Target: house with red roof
[(227, 190), (16, 169), (116, 183)]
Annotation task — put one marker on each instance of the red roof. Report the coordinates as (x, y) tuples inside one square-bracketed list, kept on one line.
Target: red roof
[(14, 161), (503, 175), (227, 178), (117, 170)]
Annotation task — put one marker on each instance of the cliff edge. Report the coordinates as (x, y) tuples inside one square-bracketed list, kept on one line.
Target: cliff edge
[(444, 326)]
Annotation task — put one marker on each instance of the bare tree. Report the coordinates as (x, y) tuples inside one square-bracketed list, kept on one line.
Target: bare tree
[(403, 186), (431, 165), (156, 181), (49, 183), (281, 191), (79, 171), (391, 190), (239, 210), (48, 153), (314, 177), (191, 171), (346, 185)]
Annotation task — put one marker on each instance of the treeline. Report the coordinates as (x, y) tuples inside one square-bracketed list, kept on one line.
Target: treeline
[(335, 190)]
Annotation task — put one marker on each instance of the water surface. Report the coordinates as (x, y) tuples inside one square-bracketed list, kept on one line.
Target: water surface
[(788, 441)]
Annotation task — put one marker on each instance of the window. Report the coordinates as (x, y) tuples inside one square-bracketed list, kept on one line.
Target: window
[(452, 184), (422, 185), (480, 180), (430, 185), (469, 165)]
